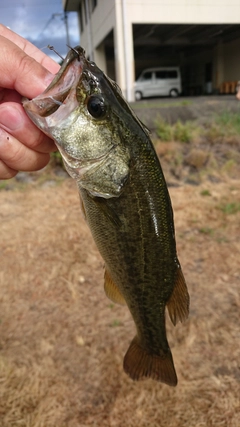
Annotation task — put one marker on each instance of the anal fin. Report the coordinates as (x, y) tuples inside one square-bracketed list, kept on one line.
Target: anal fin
[(178, 303), (112, 290), (138, 363)]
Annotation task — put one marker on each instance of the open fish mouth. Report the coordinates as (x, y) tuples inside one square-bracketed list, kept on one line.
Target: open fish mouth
[(56, 112), (59, 99)]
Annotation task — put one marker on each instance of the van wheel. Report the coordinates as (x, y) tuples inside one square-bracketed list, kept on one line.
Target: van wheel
[(138, 95), (173, 93)]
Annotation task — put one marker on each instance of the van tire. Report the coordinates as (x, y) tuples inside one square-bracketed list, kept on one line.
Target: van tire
[(173, 93), (138, 95)]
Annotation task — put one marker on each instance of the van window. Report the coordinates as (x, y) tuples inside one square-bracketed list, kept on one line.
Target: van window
[(166, 74), (172, 74), (161, 74), (147, 75)]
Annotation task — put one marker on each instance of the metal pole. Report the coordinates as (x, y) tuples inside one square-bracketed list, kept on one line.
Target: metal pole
[(89, 32), (66, 26), (125, 44)]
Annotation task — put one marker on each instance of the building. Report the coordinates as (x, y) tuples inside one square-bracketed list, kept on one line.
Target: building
[(201, 36)]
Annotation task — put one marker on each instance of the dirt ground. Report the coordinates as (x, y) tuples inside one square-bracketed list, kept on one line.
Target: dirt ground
[(62, 342)]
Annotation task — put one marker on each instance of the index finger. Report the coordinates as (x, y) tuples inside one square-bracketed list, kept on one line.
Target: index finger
[(30, 49), (21, 72)]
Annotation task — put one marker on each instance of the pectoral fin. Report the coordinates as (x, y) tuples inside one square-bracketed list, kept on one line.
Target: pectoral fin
[(108, 211), (82, 207), (178, 304), (112, 290)]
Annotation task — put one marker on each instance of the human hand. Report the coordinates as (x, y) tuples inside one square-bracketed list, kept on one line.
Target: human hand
[(24, 71), (238, 91)]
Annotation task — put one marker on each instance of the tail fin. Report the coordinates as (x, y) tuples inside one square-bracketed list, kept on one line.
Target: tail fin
[(138, 363)]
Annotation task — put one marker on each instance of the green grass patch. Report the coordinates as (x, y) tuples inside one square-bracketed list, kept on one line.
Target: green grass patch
[(56, 159), (230, 208), (179, 131), (183, 132), (111, 306), (164, 130), (222, 239), (115, 323), (225, 124), (4, 184), (230, 122), (206, 230), (205, 193), (229, 166)]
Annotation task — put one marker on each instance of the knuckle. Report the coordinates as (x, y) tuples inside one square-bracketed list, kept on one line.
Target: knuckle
[(15, 152), (6, 172), (11, 174), (25, 64)]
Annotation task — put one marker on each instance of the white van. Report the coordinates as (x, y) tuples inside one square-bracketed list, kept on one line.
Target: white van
[(164, 81)]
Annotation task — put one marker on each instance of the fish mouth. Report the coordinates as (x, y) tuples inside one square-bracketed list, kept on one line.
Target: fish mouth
[(59, 99)]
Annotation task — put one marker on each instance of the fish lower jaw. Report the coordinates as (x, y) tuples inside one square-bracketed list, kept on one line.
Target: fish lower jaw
[(76, 171), (76, 168)]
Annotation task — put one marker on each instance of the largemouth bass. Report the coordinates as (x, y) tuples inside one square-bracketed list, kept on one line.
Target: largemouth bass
[(126, 203)]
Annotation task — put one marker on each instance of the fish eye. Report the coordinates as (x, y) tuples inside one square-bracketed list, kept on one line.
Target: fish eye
[(96, 107)]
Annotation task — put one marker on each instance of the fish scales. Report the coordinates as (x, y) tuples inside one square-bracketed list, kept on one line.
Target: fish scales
[(137, 261), (125, 200)]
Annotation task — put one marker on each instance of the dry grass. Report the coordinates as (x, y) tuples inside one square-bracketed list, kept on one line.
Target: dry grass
[(62, 342)]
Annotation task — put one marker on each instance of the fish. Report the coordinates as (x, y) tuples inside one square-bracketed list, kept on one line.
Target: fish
[(107, 150)]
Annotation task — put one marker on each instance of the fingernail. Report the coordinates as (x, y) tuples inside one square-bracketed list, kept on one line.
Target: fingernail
[(10, 118)]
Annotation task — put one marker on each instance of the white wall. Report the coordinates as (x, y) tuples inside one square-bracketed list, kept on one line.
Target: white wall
[(108, 15), (102, 22), (184, 11)]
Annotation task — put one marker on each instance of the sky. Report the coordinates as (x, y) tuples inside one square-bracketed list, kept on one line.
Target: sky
[(41, 22)]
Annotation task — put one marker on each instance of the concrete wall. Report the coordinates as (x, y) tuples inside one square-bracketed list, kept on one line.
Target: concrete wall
[(184, 11), (101, 22), (166, 11)]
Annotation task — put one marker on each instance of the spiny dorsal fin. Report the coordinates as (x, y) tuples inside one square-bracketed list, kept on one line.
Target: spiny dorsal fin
[(178, 304), (112, 290), (138, 363)]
